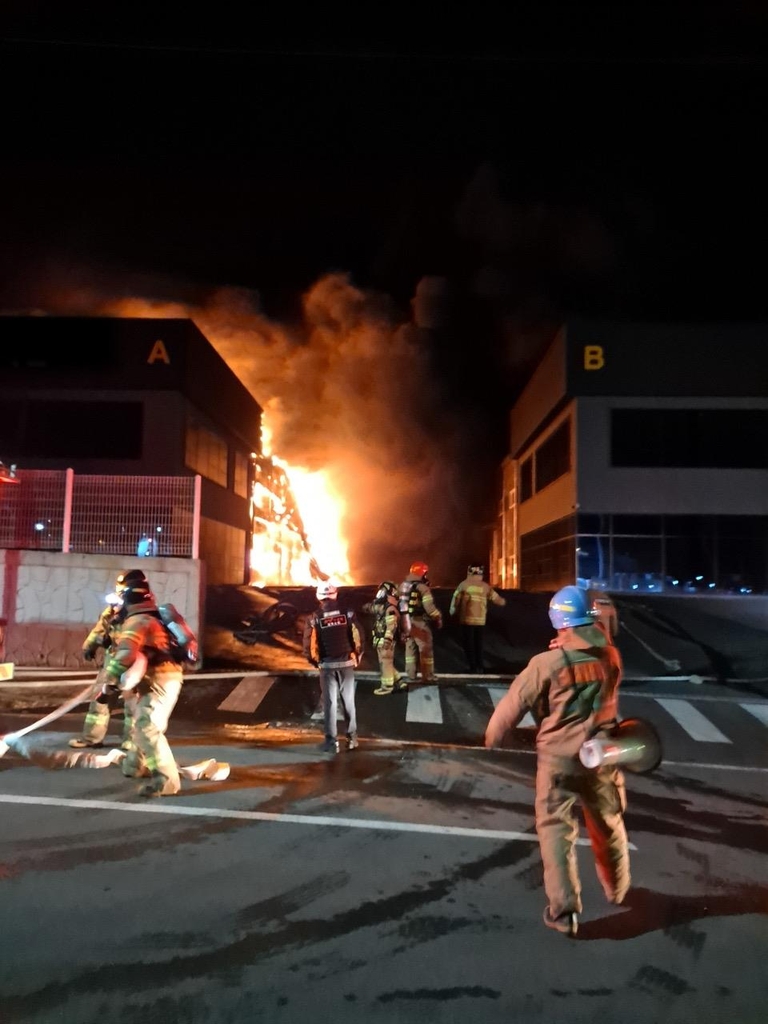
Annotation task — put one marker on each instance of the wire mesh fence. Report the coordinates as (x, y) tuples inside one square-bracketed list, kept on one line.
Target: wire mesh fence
[(116, 515)]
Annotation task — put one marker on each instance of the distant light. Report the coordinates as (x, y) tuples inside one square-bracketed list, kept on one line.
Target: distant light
[(710, 584), (634, 586), (39, 526), (159, 529), (675, 582), (699, 577)]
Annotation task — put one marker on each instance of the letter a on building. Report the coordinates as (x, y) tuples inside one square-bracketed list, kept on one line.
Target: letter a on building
[(159, 351), (594, 357)]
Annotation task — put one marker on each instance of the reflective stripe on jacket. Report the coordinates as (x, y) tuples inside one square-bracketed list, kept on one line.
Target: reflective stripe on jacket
[(470, 601)]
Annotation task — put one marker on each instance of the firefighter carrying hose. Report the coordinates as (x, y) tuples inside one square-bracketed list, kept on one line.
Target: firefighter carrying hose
[(572, 690), (418, 609), (386, 629)]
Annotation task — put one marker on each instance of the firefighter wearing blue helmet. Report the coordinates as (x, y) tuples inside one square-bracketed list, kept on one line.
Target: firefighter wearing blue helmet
[(572, 690)]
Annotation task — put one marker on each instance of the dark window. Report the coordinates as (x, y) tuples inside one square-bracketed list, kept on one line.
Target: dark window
[(553, 456), (593, 522), (10, 428), (526, 479), (83, 430), (547, 555), (634, 525), (690, 438)]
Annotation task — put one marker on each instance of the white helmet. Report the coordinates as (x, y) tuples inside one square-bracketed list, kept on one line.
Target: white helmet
[(326, 592)]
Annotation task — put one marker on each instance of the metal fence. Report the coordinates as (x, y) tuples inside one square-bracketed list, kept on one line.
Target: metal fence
[(59, 510)]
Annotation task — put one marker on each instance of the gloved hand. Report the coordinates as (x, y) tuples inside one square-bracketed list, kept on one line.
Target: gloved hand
[(89, 653)]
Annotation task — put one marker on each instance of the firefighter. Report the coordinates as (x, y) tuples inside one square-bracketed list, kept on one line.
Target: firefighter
[(386, 629), (96, 722), (334, 644), (143, 642), (573, 692), (470, 603), (417, 609)]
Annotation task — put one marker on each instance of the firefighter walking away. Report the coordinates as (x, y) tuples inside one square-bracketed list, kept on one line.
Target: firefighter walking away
[(417, 611)]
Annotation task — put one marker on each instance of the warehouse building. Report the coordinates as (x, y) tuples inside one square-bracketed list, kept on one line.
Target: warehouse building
[(638, 462), (125, 397)]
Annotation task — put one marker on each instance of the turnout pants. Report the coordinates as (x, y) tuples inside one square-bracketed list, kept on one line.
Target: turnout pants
[(96, 722), (335, 683), (602, 797), (472, 641), (151, 753), (385, 649), (419, 648)]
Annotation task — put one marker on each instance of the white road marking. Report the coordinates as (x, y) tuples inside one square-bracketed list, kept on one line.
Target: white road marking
[(424, 705), (692, 721), (760, 711), (497, 692), (248, 694), (287, 819)]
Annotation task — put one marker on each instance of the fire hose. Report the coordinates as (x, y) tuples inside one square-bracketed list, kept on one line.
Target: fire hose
[(84, 696)]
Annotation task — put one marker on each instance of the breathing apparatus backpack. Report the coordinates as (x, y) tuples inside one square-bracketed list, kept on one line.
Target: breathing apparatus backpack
[(183, 642)]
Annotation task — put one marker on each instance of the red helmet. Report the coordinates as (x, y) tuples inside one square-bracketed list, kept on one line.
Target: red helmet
[(419, 568)]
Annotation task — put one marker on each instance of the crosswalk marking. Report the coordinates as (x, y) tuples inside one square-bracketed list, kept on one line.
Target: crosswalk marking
[(424, 705), (692, 721), (497, 692), (760, 711), (248, 694)]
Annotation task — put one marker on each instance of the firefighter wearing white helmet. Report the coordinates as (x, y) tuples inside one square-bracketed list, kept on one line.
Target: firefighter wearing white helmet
[(334, 644), (572, 690), (470, 604), (418, 609), (386, 628)]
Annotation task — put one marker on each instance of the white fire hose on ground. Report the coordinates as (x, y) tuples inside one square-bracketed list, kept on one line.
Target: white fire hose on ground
[(86, 695)]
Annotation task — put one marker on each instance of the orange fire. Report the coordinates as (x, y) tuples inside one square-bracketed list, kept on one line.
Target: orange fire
[(296, 515)]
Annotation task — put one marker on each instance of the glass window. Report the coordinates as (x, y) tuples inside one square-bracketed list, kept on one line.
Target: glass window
[(645, 525), (593, 561), (240, 481), (637, 564), (206, 453), (82, 430), (690, 438), (553, 456), (526, 479)]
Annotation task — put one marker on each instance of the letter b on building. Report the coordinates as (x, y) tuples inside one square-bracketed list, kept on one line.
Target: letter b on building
[(594, 357)]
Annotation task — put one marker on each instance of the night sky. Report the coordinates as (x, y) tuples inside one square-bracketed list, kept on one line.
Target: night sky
[(512, 173)]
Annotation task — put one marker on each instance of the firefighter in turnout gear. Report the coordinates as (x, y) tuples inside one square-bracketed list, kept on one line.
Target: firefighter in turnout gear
[(334, 644), (417, 608), (144, 643), (572, 691), (386, 629), (96, 723), (470, 603)]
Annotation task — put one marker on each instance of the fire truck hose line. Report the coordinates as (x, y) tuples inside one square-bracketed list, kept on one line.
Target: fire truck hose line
[(84, 696)]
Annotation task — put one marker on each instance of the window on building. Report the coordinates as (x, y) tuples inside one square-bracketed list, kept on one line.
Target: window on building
[(690, 438), (547, 555), (206, 453), (526, 479), (240, 482), (553, 456), (83, 430)]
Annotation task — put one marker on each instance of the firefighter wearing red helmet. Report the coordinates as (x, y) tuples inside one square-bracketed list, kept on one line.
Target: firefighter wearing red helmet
[(418, 609)]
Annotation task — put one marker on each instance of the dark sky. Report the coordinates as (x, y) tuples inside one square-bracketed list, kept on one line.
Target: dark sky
[(563, 159)]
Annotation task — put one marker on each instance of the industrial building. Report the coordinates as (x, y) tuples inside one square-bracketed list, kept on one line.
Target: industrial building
[(638, 462), (127, 397)]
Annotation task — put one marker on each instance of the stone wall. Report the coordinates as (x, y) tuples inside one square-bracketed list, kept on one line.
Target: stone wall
[(49, 600)]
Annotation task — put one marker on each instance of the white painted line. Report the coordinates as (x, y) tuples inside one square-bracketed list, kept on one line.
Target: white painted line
[(248, 694), (691, 719), (760, 711), (715, 767), (287, 819), (497, 692), (424, 705)]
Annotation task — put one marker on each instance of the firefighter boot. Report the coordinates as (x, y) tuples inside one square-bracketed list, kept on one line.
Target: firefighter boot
[(158, 785)]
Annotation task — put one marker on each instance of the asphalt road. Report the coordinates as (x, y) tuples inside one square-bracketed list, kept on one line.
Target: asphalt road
[(400, 882)]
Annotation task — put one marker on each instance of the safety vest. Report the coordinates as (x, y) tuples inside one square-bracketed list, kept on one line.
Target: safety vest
[(334, 635)]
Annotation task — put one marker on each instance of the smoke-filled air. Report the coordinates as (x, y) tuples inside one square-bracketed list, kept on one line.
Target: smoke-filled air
[(349, 392)]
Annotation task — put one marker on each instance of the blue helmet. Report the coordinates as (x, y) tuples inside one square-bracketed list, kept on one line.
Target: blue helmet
[(571, 606)]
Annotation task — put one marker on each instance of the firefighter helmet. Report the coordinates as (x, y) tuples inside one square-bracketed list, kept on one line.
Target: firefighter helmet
[(475, 570), (386, 589), (132, 587), (419, 569), (571, 606), (326, 592)]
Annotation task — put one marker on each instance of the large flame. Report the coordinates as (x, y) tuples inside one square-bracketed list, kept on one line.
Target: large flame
[(297, 516)]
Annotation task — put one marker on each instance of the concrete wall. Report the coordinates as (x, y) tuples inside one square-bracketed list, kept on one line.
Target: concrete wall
[(50, 600)]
